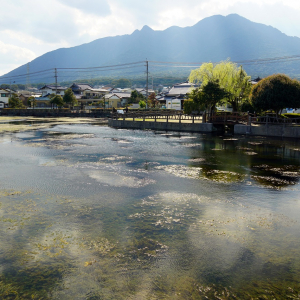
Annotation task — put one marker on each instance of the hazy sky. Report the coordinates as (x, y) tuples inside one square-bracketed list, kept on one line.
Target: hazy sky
[(29, 28)]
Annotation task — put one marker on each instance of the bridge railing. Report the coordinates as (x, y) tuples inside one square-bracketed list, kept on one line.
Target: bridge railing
[(227, 118), (274, 120), (157, 116)]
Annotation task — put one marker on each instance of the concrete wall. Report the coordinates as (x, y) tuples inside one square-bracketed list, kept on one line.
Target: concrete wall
[(269, 130), (170, 126)]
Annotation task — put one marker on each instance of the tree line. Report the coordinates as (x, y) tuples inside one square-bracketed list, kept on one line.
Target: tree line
[(226, 82)]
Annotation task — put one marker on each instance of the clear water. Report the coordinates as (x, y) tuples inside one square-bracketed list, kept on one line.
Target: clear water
[(91, 212)]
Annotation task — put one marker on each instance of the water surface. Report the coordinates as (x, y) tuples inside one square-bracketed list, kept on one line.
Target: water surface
[(91, 212)]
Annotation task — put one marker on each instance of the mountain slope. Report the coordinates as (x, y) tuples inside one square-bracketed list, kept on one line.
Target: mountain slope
[(212, 39)]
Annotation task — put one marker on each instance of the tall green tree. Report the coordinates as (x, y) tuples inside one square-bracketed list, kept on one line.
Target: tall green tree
[(208, 96), (276, 92), (233, 79), (136, 97), (15, 102), (57, 100), (69, 97)]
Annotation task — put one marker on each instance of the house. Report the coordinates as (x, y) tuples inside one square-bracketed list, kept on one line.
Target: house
[(78, 88), (116, 99), (163, 89), (23, 96), (42, 102), (52, 89), (92, 94), (177, 94), (4, 96), (161, 98), (143, 91)]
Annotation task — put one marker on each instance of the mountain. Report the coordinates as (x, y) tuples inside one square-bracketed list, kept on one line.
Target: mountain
[(212, 39)]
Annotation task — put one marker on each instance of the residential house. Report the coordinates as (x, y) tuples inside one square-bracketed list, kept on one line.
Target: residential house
[(52, 89), (90, 95), (79, 88), (23, 96), (175, 97), (143, 91), (116, 99), (4, 96)]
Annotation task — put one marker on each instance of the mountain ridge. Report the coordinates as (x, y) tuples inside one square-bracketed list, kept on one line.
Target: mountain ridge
[(213, 39)]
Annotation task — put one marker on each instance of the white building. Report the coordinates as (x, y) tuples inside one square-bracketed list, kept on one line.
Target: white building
[(52, 89), (4, 96), (175, 97)]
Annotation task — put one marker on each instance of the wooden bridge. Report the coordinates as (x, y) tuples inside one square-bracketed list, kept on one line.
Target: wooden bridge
[(227, 118)]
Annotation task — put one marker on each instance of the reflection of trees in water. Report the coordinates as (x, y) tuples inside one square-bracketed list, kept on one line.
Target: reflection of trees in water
[(270, 163)]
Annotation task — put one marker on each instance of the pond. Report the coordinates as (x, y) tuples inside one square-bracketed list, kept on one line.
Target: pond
[(92, 212)]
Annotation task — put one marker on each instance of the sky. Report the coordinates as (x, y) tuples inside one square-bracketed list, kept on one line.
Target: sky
[(30, 28)]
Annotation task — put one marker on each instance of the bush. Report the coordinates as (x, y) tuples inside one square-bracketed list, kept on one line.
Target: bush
[(142, 104), (247, 107), (189, 106)]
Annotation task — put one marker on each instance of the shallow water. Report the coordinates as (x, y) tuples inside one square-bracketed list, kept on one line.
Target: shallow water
[(91, 212)]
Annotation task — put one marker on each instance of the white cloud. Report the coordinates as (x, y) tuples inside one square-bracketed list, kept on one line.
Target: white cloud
[(12, 56), (99, 7)]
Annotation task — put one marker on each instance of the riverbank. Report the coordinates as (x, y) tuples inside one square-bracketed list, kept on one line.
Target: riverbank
[(269, 130)]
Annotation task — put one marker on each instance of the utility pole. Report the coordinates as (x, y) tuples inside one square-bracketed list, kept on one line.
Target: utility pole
[(55, 80), (27, 78), (147, 83)]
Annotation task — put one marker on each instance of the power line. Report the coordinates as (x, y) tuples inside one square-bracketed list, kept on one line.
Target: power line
[(153, 64), (120, 65), (84, 71)]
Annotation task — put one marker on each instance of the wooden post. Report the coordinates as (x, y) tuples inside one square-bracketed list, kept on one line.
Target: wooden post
[(193, 119), (180, 118), (167, 118)]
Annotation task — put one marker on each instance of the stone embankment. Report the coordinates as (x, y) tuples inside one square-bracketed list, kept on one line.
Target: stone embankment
[(164, 126), (272, 130)]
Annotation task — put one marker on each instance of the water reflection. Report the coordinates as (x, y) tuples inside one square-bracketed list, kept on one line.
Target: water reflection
[(90, 212)]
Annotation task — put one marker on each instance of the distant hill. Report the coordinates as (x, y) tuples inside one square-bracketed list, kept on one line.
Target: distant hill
[(212, 39)]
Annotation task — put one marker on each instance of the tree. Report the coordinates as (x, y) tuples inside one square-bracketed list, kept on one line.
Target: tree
[(135, 97), (276, 92), (15, 102), (233, 79), (209, 96), (69, 97), (142, 104), (189, 106), (152, 102), (31, 101), (57, 100)]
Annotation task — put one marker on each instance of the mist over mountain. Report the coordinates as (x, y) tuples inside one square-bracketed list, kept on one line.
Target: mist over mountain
[(212, 39)]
